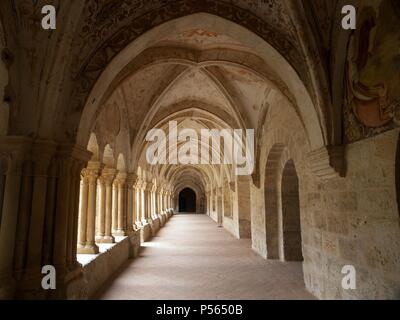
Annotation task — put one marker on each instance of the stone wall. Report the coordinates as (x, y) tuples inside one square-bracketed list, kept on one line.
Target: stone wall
[(355, 221), (344, 221), (230, 225), (103, 267)]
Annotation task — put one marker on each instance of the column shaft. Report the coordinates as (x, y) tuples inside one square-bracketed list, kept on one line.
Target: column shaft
[(91, 246), (114, 207), (101, 230), (83, 206)]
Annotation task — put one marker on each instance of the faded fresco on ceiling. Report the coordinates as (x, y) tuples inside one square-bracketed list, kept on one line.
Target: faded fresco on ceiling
[(373, 71)]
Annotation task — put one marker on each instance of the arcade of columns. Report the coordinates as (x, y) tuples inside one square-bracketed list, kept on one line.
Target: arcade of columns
[(120, 203)]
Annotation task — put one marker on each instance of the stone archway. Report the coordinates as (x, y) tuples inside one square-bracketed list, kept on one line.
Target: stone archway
[(187, 201), (291, 227), (282, 206), (122, 64), (272, 201)]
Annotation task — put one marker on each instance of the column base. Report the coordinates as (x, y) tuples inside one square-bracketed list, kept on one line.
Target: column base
[(163, 218), (88, 249), (119, 233), (105, 239), (134, 240), (155, 226), (138, 225), (145, 232)]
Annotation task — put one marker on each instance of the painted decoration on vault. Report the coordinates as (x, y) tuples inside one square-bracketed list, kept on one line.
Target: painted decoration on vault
[(373, 71)]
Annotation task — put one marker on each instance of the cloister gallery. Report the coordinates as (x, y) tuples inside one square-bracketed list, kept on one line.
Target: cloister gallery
[(77, 191)]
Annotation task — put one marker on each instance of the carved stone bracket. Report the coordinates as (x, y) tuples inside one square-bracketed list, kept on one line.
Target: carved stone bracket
[(328, 162)]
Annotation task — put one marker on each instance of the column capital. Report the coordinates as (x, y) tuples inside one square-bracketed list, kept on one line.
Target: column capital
[(108, 174), (131, 180), (120, 179), (92, 170), (149, 186), (138, 184)]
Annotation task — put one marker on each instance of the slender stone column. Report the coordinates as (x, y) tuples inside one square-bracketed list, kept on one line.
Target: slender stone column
[(154, 212), (143, 205), (165, 201), (114, 206), (108, 175), (152, 203), (91, 246), (169, 200), (83, 205), (130, 212), (157, 201), (121, 224), (101, 210), (161, 195), (148, 190), (137, 195), (91, 174)]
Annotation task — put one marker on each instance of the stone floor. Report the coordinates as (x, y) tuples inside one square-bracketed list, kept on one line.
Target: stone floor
[(191, 258)]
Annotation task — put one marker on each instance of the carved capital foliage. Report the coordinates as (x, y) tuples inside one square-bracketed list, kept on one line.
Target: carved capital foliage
[(328, 162), (137, 184), (120, 179), (102, 181), (150, 187), (108, 174), (92, 171), (131, 180)]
